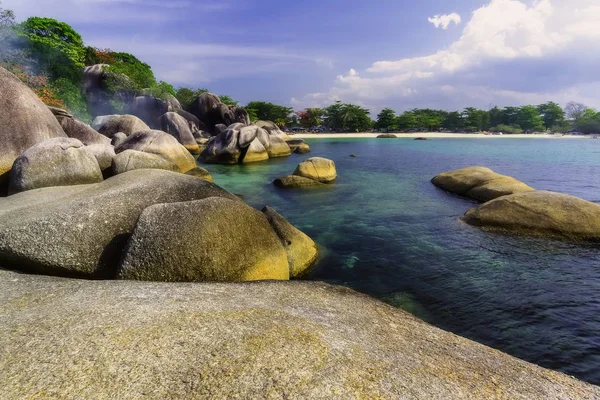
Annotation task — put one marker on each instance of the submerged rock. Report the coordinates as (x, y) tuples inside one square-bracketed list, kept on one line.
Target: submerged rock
[(25, 121), (317, 168), (540, 213), (81, 230), (214, 239), (302, 251), (161, 144), (479, 183), (296, 340), (54, 162), (294, 182), (109, 125)]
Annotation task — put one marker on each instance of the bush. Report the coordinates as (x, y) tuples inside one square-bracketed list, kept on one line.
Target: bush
[(72, 97), (509, 129)]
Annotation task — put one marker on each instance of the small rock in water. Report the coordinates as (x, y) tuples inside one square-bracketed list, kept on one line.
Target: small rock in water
[(353, 155)]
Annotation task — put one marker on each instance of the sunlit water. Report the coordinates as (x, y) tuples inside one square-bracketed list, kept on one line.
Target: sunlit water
[(387, 231)]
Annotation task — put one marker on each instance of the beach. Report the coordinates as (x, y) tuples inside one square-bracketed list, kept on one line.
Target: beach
[(435, 135)]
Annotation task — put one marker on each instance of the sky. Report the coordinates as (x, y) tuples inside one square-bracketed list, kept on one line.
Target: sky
[(399, 54)]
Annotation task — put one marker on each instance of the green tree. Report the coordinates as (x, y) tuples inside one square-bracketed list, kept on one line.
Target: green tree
[(476, 120), (529, 119), (266, 111), (496, 116), (386, 119), (186, 96), (510, 116), (57, 47), (12, 44), (225, 99), (453, 121), (130, 74), (588, 121), (356, 118), (552, 114), (310, 117), (406, 121), (73, 98)]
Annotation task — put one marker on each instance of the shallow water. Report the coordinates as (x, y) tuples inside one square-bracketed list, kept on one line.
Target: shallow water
[(387, 231)]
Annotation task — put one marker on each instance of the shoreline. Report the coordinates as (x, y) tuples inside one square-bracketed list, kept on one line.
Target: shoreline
[(435, 135)]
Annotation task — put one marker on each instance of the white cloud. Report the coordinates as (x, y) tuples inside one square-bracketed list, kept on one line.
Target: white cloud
[(444, 21), (503, 32)]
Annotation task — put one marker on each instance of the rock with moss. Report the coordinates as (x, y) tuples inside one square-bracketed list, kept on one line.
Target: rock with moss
[(479, 183), (540, 213), (109, 125), (81, 230), (299, 146), (296, 182), (317, 168), (200, 173), (129, 340), (54, 162), (387, 136), (130, 160), (302, 251), (177, 126), (214, 239), (24, 121), (161, 144)]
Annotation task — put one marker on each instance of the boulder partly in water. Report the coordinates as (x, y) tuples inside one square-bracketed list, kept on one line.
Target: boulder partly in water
[(540, 213), (479, 183), (317, 168)]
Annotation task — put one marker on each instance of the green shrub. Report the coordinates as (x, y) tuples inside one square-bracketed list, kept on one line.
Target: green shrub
[(509, 129), (73, 98)]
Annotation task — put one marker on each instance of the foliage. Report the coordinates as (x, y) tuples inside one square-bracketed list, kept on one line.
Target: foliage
[(575, 111), (266, 111), (476, 120), (252, 114), (347, 117), (129, 74), (72, 97), (56, 46), (162, 90), (11, 43), (38, 84), (529, 119), (507, 129), (225, 99), (552, 114), (386, 119), (588, 121), (310, 117), (407, 121), (94, 55), (186, 96)]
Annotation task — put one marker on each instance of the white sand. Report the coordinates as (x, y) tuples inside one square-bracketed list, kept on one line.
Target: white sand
[(433, 135)]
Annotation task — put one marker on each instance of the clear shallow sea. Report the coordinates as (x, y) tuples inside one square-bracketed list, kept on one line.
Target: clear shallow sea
[(388, 232)]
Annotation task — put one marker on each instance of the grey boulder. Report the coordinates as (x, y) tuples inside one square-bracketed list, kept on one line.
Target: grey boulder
[(109, 125), (97, 143), (54, 162), (177, 126), (81, 230), (130, 160)]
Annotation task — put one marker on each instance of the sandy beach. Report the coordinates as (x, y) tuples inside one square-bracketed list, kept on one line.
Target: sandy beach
[(438, 135)]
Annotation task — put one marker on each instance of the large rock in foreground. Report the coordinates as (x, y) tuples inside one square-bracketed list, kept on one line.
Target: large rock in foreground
[(24, 121), (213, 239), (479, 183), (317, 168), (82, 230), (71, 339), (161, 144), (54, 162), (540, 213)]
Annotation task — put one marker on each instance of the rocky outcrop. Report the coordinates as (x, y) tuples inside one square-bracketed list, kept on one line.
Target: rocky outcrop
[(118, 138), (272, 129), (25, 122), (216, 240), (387, 136), (242, 144), (298, 146), (54, 162), (177, 126), (540, 213), (302, 251), (161, 144), (130, 160), (96, 93), (255, 152), (208, 108), (479, 183), (193, 121), (317, 168), (98, 144), (109, 125), (296, 182), (223, 149), (295, 340), (200, 173), (81, 230), (149, 109)]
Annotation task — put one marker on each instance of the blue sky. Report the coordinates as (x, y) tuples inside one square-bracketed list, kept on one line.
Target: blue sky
[(384, 53)]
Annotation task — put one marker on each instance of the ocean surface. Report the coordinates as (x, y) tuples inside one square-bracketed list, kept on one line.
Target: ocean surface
[(385, 230)]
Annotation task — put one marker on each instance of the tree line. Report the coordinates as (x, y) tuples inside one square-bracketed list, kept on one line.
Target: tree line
[(49, 56)]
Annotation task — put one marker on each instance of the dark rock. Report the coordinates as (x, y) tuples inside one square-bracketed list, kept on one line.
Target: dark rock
[(179, 128), (387, 136)]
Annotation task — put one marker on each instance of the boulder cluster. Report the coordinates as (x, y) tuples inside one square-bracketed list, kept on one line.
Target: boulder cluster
[(512, 206), (122, 199)]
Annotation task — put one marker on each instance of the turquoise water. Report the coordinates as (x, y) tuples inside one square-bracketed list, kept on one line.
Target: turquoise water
[(387, 231)]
